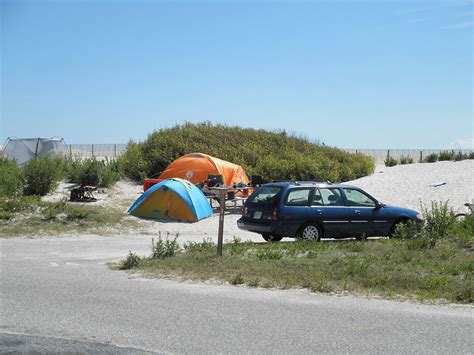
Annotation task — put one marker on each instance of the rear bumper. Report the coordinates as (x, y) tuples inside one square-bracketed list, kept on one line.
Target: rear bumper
[(254, 227)]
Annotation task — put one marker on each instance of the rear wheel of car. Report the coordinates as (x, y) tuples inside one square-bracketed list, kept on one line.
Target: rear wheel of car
[(310, 231), (271, 238)]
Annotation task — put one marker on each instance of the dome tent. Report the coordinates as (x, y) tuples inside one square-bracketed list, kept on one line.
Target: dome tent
[(196, 167), (24, 149), (172, 199)]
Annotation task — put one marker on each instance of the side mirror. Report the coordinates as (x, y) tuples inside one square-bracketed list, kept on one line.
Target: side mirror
[(378, 205)]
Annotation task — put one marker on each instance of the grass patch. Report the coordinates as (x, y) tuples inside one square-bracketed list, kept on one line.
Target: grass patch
[(392, 268), (28, 216)]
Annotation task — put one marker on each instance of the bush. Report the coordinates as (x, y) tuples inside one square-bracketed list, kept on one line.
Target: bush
[(206, 245), (132, 260), (439, 221), (390, 161), (433, 157), (41, 176), (460, 156), (446, 155), (164, 249), (132, 163), (406, 159), (94, 172), (273, 155), (11, 182)]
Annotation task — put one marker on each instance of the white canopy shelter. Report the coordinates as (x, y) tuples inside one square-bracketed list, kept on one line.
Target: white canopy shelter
[(24, 149)]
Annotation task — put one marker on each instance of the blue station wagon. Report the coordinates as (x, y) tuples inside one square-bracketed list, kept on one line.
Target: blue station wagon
[(315, 210)]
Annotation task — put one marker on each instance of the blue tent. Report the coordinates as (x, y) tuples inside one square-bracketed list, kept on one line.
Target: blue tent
[(172, 199)]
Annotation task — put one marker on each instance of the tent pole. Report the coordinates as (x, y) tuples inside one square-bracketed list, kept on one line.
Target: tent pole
[(36, 150)]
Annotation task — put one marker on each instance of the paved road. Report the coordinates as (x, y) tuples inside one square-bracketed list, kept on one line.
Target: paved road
[(57, 293)]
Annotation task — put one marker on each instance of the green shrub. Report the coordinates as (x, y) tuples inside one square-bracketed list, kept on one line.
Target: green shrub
[(94, 172), (460, 156), (132, 260), (132, 163), (406, 159), (433, 157), (164, 248), (41, 176), (206, 245), (439, 221), (11, 182), (446, 155), (471, 155), (273, 155), (390, 161), (462, 231)]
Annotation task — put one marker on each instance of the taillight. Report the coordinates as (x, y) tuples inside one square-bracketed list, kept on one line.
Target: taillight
[(274, 214)]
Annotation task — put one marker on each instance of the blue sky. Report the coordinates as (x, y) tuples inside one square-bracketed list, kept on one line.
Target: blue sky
[(352, 74)]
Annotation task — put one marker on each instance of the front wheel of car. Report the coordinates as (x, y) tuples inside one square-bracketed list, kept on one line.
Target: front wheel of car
[(310, 232), (271, 238)]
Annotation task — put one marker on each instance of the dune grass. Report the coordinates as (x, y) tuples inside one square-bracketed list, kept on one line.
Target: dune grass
[(389, 268)]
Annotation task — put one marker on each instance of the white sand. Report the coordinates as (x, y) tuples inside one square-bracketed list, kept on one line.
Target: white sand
[(407, 185)]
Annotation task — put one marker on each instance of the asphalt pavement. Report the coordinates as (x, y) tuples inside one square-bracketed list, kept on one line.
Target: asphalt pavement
[(58, 295)]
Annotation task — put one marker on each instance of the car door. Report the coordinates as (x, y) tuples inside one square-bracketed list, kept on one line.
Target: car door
[(296, 204), (329, 209), (363, 212)]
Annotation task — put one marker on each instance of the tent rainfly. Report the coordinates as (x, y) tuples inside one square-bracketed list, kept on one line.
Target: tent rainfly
[(172, 199), (196, 167), (24, 149)]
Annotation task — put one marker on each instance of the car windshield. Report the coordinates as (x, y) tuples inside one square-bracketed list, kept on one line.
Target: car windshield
[(266, 194)]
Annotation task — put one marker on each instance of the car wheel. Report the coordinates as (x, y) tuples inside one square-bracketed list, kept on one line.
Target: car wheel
[(271, 238), (310, 231)]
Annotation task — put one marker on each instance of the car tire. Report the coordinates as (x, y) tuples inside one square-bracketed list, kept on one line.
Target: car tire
[(310, 232), (271, 238)]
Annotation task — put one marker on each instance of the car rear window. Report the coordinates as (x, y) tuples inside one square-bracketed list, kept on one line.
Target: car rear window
[(266, 194)]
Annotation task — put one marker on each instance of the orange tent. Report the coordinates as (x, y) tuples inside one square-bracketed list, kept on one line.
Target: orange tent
[(196, 167)]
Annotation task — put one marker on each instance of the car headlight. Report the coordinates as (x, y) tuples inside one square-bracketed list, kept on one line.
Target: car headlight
[(419, 216)]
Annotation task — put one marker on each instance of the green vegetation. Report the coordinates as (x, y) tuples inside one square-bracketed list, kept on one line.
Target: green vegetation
[(41, 175), (431, 158), (410, 266), (93, 172), (11, 183), (28, 215), (390, 161), (406, 159), (275, 156)]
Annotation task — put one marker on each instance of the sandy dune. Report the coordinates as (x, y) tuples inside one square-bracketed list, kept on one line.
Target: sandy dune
[(407, 185)]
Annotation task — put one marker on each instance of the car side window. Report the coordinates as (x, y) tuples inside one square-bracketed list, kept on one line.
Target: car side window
[(331, 197), (357, 198), (298, 197), (317, 198)]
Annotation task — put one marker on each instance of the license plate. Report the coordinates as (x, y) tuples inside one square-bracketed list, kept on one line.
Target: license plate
[(257, 215)]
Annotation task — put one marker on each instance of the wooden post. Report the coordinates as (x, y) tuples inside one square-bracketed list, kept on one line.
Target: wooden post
[(220, 235), (421, 156), (115, 150), (92, 149)]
